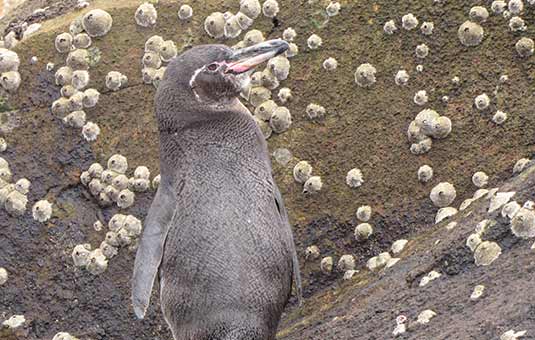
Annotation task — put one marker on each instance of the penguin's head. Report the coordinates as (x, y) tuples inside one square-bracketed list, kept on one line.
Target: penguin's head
[(213, 74)]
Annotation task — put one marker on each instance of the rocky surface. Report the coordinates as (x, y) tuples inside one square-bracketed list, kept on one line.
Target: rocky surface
[(363, 127)]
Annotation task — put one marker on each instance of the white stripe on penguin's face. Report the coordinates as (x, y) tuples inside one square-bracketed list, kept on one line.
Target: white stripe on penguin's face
[(192, 81)]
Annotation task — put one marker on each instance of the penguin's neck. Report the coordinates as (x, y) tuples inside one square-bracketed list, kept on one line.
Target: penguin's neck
[(229, 129)]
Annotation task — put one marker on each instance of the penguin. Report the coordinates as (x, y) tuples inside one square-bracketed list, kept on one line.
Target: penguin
[(217, 233)]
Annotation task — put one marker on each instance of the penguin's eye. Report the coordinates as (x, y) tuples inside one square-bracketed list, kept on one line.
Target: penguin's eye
[(212, 67)]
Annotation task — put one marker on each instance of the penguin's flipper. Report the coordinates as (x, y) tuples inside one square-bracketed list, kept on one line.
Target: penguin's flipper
[(295, 261), (151, 247)]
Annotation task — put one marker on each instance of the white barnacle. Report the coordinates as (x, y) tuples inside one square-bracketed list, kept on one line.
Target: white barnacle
[(398, 246), (470, 33), (284, 95), (363, 231), (517, 24), (482, 101), (312, 185), (269, 80), (85, 178), (524, 47), (498, 199), (91, 97), (480, 179), (499, 117), (97, 263), (330, 64), (96, 23), (443, 194), (364, 213), (312, 252), (63, 42), (333, 8), (444, 213), (63, 76), (142, 172), (270, 8), (80, 255), (420, 98), (390, 27), (315, 111), (185, 12), (108, 250), (151, 60), (365, 75), (302, 171), (244, 21), (265, 110), (425, 316), (9, 60), (214, 25), (3, 276), (431, 276), (281, 119), (512, 335), (479, 14), (90, 131), (10, 80), (120, 182), (380, 261), (354, 178), (251, 8), (346, 262), (118, 163), (402, 78), (133, 226), (80, 79), (95, 170), (523, 223), (279, 66), (425, 173), (146, 15), (95, 186), (114, 80), (427, 28), (473, 241), (112, 238), (67, 91), (23, 186), (14, 322), (15, 203), (259, 95), (498, 6), (477, 292), (289, 34), (78, 59), (232, 27), (5, 174), (409, 22), (422, 51), (125, 199), (253, 37), (42, 211), (82, 40), (510, 209), (139, 184), (3, 144), (515, 6), (326, 265), (265, 128), (168, 51), (314, 42), (486, 253), (154, 44)]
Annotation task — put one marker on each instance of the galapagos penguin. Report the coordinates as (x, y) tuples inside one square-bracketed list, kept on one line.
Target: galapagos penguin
[(217, 233)]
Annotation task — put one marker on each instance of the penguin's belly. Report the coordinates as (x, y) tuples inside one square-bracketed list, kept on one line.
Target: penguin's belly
[(227, 252)]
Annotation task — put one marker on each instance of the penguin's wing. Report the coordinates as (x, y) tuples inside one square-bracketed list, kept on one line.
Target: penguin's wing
[(151, 247), (295, 262)]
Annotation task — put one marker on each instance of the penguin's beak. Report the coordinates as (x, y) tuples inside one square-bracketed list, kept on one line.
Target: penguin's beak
[(245, 59)]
